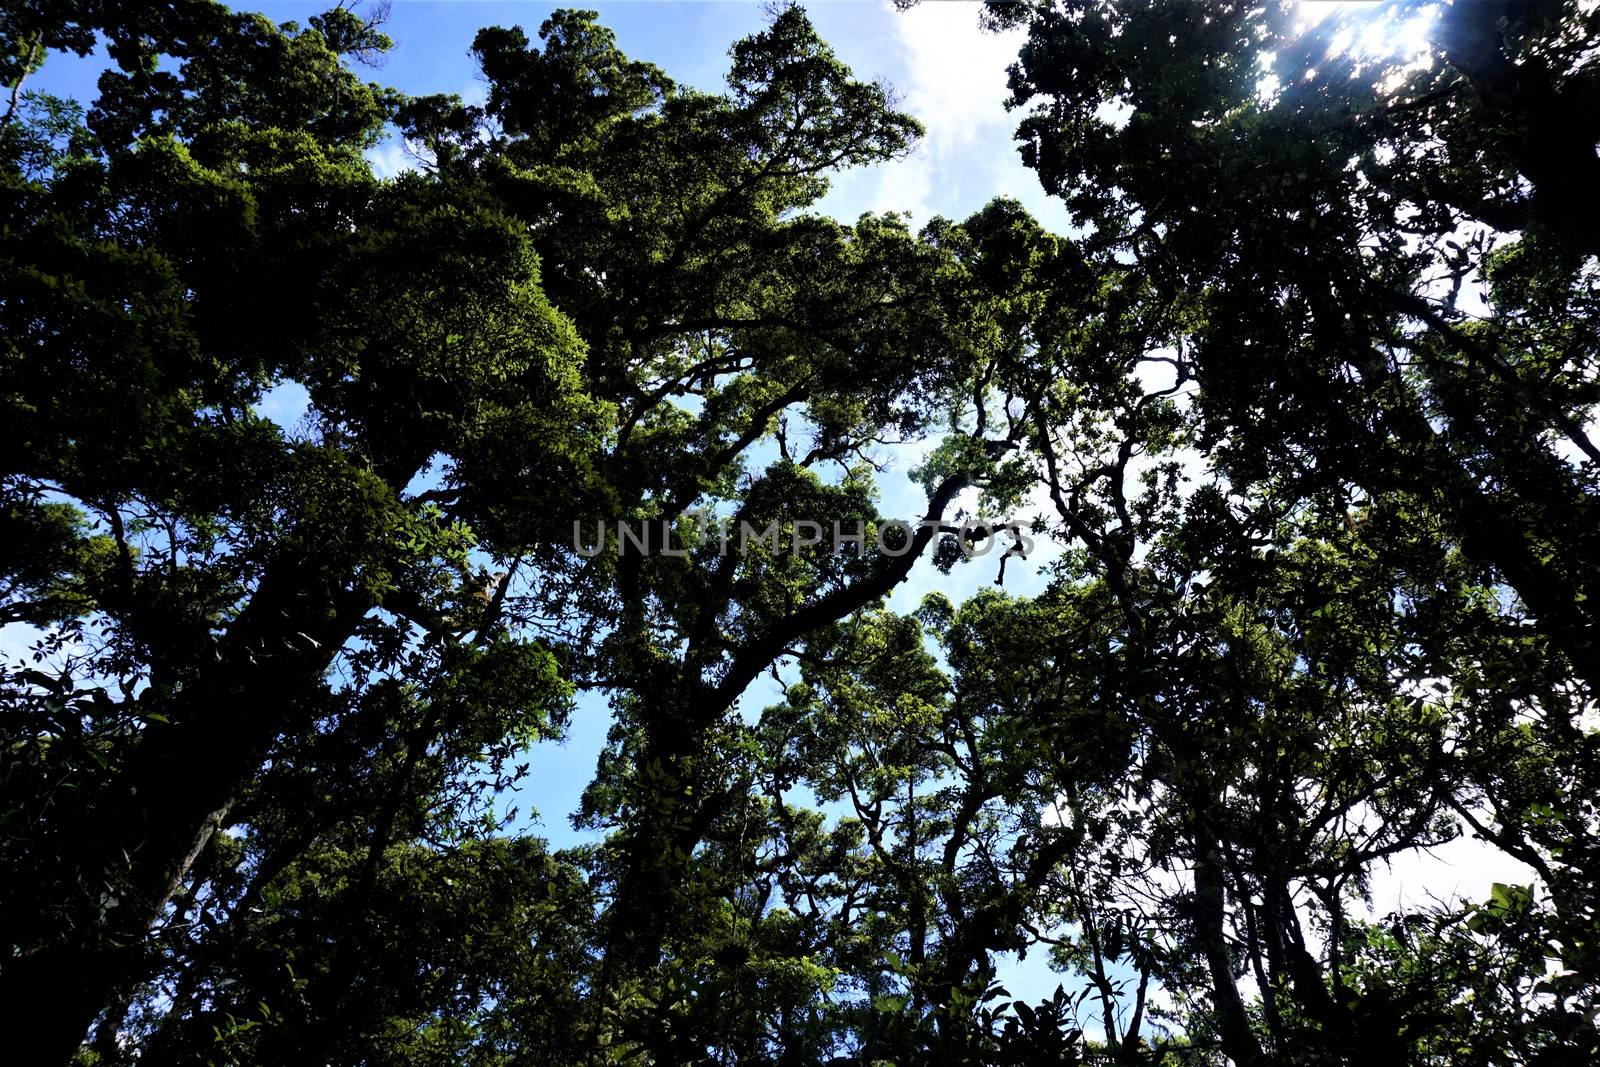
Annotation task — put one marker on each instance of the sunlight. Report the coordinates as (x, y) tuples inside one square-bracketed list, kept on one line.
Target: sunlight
[(1373, 31), (1368, 31)]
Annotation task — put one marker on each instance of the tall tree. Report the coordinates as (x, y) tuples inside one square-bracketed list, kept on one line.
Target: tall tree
[(1386, 286), (210, 230)]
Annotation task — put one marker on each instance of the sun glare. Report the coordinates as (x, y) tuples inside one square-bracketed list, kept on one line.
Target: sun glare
[(1373, 30), (1368, 31)]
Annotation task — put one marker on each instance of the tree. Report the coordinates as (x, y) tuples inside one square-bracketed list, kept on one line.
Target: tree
[(1320, 214), (211, 230)]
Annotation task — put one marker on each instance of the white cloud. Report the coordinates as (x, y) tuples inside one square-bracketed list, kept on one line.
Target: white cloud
[(286, 404), (950, 75), (957, 73), (16, 643), (390, 158), (1460, 870)]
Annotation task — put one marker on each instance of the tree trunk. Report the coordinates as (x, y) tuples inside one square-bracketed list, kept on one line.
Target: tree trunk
[(1233, 1022), (144, 835)]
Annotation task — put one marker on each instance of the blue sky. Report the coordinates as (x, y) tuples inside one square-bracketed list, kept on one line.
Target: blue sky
[(942, 67)]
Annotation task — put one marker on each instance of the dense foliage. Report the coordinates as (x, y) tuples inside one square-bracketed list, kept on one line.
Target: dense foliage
[(1302, 406)]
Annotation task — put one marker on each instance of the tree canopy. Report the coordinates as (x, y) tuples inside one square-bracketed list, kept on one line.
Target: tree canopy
[(1302, 404)]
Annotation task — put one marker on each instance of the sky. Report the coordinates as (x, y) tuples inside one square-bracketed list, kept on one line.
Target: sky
[(934, 58), (950, 75), (940, 66)]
